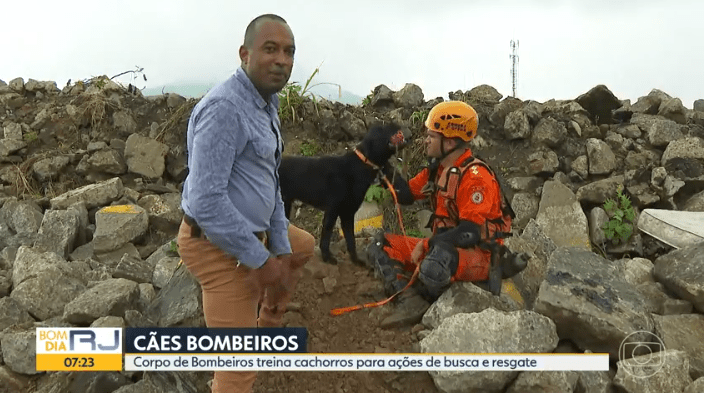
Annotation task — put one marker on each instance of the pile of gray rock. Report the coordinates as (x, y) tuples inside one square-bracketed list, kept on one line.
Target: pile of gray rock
[(90, 180)]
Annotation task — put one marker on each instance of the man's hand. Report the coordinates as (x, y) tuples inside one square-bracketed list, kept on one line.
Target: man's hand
[(418, 252), (273, 272)]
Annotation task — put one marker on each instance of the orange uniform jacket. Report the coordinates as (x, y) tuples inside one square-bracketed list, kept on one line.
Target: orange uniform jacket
[(478, 199)]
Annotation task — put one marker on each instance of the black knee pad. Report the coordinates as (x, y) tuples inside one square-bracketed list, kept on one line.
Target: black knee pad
[(437, 268)]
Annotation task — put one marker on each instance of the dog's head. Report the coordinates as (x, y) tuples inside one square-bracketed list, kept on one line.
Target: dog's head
[(383, 141)]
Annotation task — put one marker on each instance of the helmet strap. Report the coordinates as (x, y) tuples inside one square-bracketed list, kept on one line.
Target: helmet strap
[(444, 154)]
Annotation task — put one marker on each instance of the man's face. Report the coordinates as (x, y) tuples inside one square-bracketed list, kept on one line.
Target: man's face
[(269, 61), (433, 141)]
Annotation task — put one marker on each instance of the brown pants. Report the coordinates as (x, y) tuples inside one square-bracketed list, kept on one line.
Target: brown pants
[(231, 295)]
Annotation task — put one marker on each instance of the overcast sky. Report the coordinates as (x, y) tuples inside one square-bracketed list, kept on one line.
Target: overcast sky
[(566, 47)]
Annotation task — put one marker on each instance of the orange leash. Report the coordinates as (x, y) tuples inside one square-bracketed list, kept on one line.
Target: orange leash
[(345, 310)]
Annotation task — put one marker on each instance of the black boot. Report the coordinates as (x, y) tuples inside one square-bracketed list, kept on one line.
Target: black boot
[(390, 271), (512, 263)]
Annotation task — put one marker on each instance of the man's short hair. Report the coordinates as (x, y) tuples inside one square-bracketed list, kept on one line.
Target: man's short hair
[(252, 27)]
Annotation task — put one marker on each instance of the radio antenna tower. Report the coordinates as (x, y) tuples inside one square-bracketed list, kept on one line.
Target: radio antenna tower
[(514, 65)]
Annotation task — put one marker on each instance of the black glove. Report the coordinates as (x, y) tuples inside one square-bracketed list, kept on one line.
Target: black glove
[(467, 234)]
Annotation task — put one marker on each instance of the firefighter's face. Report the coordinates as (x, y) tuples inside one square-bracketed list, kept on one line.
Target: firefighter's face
[(436, 144)]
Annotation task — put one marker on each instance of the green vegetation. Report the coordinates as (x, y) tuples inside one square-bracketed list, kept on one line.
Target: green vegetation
[(173, 247), (30, 137), (377, 194), (291, 97), (368, 99), (414, 233), (309, 149), (620, 226), (418, 117)]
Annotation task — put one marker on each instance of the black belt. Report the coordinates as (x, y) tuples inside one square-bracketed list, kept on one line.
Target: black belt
[(196, 230)]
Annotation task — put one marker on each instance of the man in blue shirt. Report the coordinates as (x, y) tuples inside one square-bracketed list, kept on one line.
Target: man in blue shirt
[(235, 237)]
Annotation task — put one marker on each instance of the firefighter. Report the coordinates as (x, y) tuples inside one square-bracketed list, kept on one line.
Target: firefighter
[(470, 215)]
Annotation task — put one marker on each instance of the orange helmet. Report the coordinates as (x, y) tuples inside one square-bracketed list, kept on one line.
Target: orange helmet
[(453, 119)]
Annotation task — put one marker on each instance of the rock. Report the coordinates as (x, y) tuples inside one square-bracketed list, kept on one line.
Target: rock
[(147, 293), (352, 125), (173, 100), (163, 270), (544, 381), (517, 125), (118, 225), (538, 246), (110, 297), (98, 382), (602, 161), (17, 85), (109, 321), (597, 192), (589, 301), (525, 206), (599, 102), (662, 132), (484, 93), (594, 382), (466, 297), (93, 195), (44, 283), (688, 147), (695, 203), (665, 371), (684, 333), (12, 313), (561, 217), (19, 350), (489, 331), (134, 269), (629, 131), (140, 387), (145, 156), (382, 98), (58, 232), (682, 272), (410, 96), (695, 387), (408, 312), (650, 104), (49, 168), (104, 161), (543, 162), (12, 131), (503, 109), (549, 132), (22, 216), (124, 123), (179, 303), (597, 219), (177, 382), (164, 211), (11, 382), (674, 110), (112, 258)]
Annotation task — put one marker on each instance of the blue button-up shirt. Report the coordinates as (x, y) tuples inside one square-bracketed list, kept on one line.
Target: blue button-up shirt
[(232, 188)]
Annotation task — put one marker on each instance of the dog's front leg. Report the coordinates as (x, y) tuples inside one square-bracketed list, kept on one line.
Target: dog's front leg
[(325, 236), (347, 222)]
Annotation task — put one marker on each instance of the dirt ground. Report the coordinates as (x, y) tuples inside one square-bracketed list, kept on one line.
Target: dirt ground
[(356, 332)]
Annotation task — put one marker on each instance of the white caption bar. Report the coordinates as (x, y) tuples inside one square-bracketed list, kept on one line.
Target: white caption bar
[(367, 362)]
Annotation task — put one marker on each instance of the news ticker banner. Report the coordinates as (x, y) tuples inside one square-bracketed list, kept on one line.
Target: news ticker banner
[(260, 349)]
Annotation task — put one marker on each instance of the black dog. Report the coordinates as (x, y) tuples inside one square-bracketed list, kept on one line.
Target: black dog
[(337, 184)]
